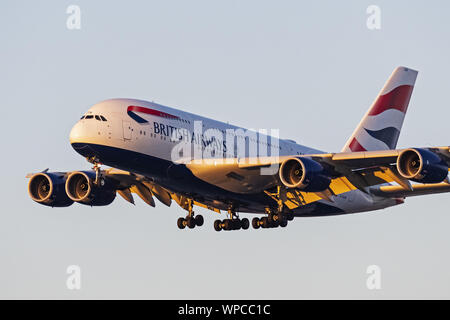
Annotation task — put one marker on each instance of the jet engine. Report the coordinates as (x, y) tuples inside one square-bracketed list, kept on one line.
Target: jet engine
[(421, 165), (305, 174), (81, 187), (48, 189)]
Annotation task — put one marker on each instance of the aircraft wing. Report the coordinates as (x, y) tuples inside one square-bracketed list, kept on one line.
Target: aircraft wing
[(348, 170)]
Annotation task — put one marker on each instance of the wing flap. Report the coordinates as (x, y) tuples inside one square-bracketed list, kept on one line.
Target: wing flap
[(129, 183)]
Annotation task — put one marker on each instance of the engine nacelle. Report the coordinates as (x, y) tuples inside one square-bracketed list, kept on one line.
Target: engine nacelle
[(48, 189), (81, 188), (305, 174), (421, 165)]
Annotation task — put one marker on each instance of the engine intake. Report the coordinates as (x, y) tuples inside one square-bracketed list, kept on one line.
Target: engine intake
[(421, 165), (304, 174), (80, 187), (48, 189)]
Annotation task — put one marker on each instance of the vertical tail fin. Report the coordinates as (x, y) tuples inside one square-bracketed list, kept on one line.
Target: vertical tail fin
[(381, 125)]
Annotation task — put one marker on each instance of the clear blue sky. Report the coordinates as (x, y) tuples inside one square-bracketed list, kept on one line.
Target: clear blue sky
[(309, 69)]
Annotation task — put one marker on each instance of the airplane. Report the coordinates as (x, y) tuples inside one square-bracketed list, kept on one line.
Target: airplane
[(156, 151)]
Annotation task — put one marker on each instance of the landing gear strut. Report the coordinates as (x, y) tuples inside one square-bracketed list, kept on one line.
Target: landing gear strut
[(275, 218), (190, 221), (96, 168), (232, 223)]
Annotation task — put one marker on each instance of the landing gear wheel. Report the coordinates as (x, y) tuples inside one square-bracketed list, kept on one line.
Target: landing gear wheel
[(283, 223), (232, 224), (275, 224), (218, 225), (272, 217), (180, 223), (265, 222), (190, 222), (245, 223), (255, 223), (227, 224), (199, 220)]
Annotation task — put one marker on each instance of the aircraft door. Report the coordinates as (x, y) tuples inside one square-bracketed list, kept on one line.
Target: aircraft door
[(126, 125)]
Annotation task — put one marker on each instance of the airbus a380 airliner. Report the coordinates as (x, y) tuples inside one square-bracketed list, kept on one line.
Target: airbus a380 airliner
[(154, 150)]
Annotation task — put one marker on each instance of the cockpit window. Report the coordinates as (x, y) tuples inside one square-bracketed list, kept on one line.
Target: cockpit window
[(97, 117)]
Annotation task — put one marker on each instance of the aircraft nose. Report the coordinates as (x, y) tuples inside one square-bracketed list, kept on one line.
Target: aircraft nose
[(80, 138), (77, 133)]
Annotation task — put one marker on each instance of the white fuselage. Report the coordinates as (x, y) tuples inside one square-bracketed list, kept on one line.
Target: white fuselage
[(140, 137)]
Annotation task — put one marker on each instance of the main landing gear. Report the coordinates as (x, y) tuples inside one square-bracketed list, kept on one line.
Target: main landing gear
[(232, 223), (190, 221), (273, 220)]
